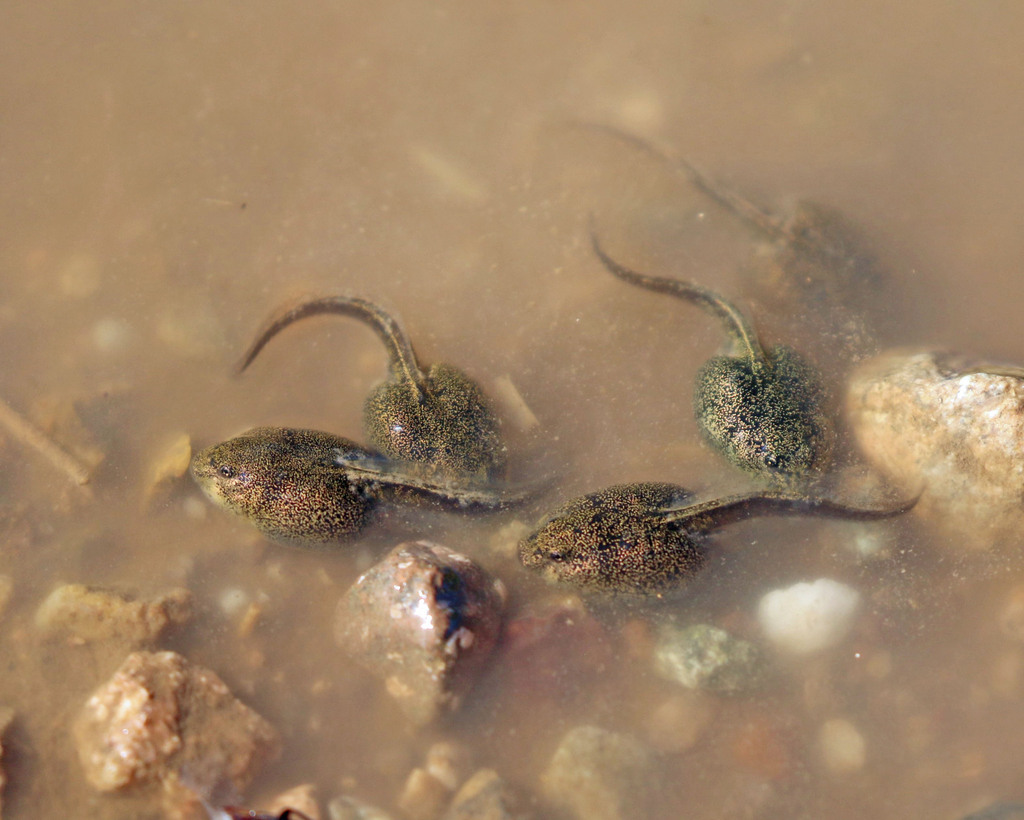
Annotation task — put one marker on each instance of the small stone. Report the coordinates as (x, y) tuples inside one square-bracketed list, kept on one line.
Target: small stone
[(596, 774), (299, 798), (554, 649), (485, 796), (89, 614), (425, 620), (80, 275), (842, 746), (679, 723), (423, 796), (763, 746), (111, 335), (705, 657), (952, 429), (808, 617), (449, 762), (1011, 620), (159, 717), (170, 465), (344, 807)]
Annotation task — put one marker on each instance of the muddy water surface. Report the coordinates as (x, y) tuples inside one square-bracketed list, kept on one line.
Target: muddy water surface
[(170, 173)]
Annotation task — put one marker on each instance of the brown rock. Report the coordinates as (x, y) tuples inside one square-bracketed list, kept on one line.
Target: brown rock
[(159, 716), (89, 614), (425, 620)]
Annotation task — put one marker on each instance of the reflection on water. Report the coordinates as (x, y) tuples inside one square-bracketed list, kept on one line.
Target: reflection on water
[(171, 173)]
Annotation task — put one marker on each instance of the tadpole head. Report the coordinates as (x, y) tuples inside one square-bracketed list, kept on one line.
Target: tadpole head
[(446, 424), (767, 418), (285, 482)]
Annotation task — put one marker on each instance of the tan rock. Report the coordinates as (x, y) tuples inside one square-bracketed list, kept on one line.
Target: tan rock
[(159, 716), (90, 614), (952, 427)]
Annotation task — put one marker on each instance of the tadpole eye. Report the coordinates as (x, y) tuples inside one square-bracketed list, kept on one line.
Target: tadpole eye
[(556, 555), (226, 471)]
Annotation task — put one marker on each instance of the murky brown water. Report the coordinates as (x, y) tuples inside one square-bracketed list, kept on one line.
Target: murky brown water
[(172, 172)]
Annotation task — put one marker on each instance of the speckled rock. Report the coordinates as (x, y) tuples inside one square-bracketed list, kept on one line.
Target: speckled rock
[(705, 657), (596, 774), (953, 427), (424, 619), (159, 716), (90, 614)]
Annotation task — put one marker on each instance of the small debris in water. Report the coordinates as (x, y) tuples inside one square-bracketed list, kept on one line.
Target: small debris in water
[(26, 433)]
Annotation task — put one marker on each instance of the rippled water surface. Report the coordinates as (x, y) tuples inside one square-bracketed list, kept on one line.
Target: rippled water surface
[(171, 172)]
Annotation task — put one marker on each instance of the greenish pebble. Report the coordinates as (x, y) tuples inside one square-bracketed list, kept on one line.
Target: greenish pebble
[(706, 657)]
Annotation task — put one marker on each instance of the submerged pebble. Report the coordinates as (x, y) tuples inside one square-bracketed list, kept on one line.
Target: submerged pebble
[(705, 657), (597, 774), (679, 722), (953, 427), (89, 614), (843, 748), (423, 797), (808, 617), (300, 799), (424, 619), (160, 715), (485, 796), (344, 807)]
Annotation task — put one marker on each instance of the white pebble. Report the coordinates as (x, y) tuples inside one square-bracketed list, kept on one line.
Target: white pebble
[(111, 335), (232, 601), (808, 617), (842, 746)]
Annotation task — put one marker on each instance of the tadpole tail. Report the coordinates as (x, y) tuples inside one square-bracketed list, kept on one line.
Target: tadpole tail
[(732, 317), (401, 357), (742, 207), (707, 515)]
